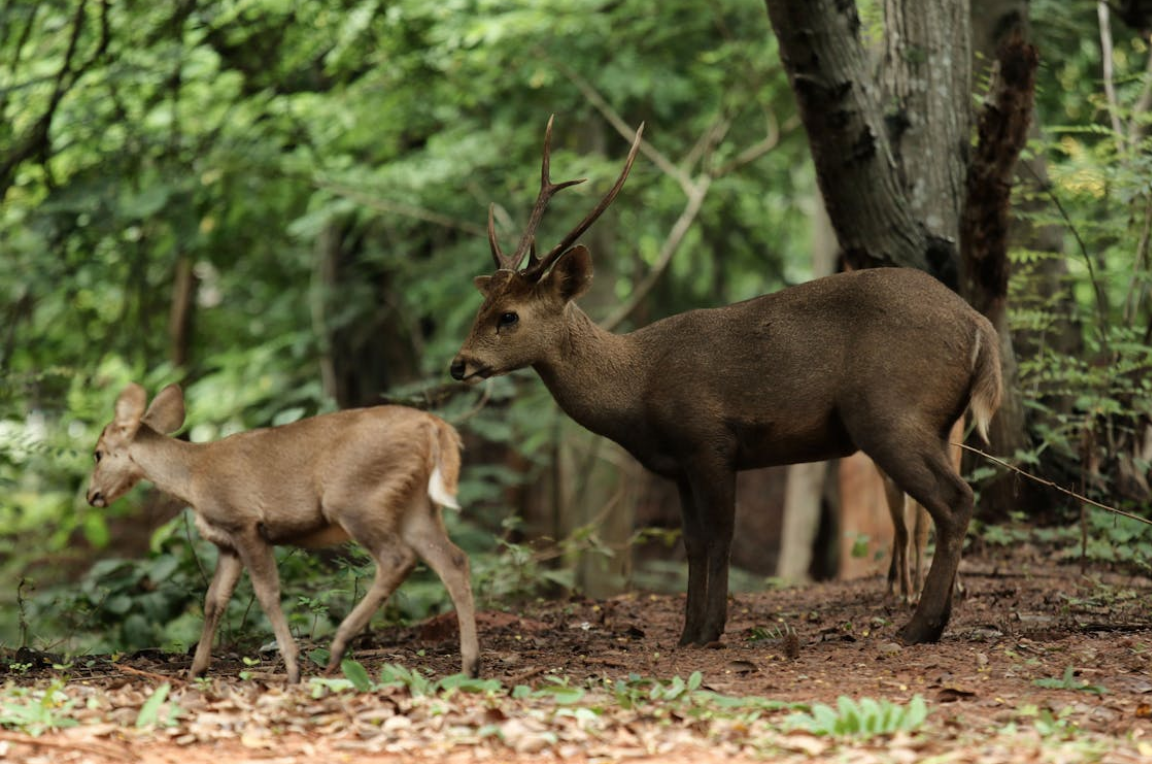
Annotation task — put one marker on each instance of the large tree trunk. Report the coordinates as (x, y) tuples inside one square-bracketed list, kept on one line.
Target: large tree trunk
[(870, 163), (892, 150)]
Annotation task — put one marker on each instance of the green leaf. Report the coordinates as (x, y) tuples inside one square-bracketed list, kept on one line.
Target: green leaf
[(357, 675), (149, 715)]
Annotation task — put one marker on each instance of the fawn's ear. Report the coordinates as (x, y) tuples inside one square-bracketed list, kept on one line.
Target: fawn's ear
[(571, 276), (166, 414), (130, 408)]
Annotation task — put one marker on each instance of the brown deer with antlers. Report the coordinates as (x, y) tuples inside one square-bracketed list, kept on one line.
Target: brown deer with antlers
[(881, 360)]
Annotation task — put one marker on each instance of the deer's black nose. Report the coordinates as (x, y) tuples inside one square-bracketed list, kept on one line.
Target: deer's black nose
[(95, 498), (457, 369)]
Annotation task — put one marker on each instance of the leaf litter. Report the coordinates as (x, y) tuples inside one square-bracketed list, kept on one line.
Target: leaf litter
[(1021, 675)]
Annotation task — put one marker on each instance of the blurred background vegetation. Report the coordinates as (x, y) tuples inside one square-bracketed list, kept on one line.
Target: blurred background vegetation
[(280, 205)]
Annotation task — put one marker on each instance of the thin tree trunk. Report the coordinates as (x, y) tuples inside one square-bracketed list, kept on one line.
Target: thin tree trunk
[(182, 312), (1003, 131), (804, 490)]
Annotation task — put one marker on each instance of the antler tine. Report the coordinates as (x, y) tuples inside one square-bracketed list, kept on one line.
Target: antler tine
[(547, 190), (538, 268), (502, 261)]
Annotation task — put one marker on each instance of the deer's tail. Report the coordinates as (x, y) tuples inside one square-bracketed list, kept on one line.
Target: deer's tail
[(987, 386), (444, 463)]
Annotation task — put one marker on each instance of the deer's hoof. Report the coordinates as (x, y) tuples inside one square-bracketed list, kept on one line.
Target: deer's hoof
[(918, 632)]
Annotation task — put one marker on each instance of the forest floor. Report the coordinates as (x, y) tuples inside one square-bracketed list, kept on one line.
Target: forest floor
[(1040, 663)]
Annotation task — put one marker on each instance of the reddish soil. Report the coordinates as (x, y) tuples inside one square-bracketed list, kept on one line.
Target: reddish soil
[(1022, 619)]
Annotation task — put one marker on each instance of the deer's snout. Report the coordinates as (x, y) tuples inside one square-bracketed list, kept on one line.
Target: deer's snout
[(458, 368), (96, 498)]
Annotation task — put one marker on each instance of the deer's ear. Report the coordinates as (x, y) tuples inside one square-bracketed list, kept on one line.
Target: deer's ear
[(166, 414), (571, 276), (130, 407), (482, 283)]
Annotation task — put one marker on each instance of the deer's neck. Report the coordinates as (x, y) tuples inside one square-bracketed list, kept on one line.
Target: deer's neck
[(167, 463), (595, 376)]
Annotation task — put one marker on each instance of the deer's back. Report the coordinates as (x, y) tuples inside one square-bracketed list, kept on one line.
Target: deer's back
[(786, 377), (320, 464)]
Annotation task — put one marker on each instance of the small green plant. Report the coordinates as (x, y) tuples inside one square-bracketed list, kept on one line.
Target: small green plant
[(1069, 682), (151, 712), (250, 663), (860, 546), (356, 677), (765, 633), (35, 712), (1049, 724), (860, 719)]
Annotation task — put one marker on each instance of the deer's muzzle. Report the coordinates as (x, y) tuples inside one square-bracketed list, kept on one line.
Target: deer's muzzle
[(468, 371)]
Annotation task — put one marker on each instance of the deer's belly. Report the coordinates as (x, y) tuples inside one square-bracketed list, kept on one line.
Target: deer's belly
[(327, 536)]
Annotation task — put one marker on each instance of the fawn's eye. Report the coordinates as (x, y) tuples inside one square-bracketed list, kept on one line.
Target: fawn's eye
[(99, 456), (508, 319)]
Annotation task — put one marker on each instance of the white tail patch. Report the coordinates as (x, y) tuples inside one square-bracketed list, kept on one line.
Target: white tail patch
[(438, 492)]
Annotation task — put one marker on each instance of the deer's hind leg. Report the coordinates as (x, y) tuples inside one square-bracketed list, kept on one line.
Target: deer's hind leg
[(898, 567), (922, 468), (394, 562), (423, 530)]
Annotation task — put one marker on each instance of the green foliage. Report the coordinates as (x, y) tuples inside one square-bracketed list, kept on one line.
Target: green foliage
[(217, 146), (660, 697), (392, 675), (1069, 682), (863, 719), (1082, 314), (1104, 537), (154, 713), (35, 711)]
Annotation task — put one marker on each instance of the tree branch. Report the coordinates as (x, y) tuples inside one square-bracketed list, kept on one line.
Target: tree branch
[(399, 208), (614, 119), (1106, 64), (671, 244)]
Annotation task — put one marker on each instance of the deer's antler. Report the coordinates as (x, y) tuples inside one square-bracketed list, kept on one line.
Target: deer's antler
[(537, 267)]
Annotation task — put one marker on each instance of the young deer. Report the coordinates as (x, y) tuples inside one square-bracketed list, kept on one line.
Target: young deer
[(376, 475), (881, 360)]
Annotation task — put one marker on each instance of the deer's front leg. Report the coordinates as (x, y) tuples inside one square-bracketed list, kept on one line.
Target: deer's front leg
[(260, 560), (713, 503), (692, 532), (228, 569)]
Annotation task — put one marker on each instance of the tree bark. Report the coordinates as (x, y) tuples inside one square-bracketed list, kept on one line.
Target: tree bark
[(859, 172), (1003, 128), (180, 317), (925, 79)]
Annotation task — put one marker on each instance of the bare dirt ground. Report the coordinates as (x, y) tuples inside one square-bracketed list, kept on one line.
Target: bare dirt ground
[(1040, 663)]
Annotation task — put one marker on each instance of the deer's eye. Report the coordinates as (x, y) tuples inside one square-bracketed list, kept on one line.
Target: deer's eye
[(99, 456), (508, 319)]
